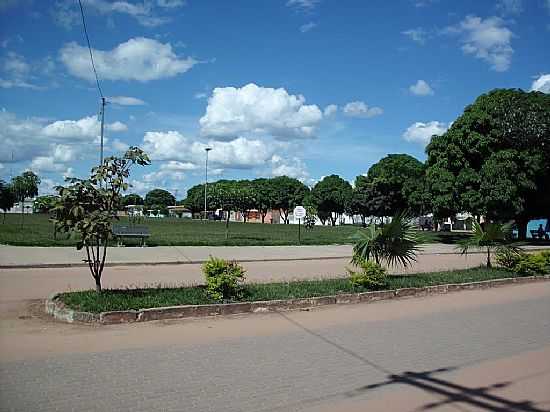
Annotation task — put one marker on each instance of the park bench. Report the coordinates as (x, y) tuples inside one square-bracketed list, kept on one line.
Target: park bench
[(536, 235), (134, 232)]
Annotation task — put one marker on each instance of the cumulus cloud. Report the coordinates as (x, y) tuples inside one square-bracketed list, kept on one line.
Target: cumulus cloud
[(85, 128), (140, 59), (126, 101), (146, 13), (542, 84), (240, 153), (291, 167), (488, 40), (418, 35), (304, 28), (330, 110), (255, 110), (422, 132), (361, 109), (421, 88), (16, 72)]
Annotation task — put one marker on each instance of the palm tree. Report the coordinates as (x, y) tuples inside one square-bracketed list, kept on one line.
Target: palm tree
[(394, 243), (492, 237)]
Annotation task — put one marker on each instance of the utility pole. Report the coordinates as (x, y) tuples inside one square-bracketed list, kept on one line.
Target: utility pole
[(206, 149), (102, 127)]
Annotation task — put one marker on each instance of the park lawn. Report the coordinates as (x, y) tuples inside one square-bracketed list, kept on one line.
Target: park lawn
[(135, 299), (37, 230)]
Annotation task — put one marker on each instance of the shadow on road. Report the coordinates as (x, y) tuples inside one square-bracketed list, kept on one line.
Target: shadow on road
[(445, 391)]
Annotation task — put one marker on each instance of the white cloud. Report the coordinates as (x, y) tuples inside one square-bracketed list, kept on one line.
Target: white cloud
[(510, 7), (170, 4), (422, 132), (330, 110), (291, 167), (303, 5), (200, 95), (66, 12), (488, 40), (140, 59), (240, 153), (542, 84), (421, 88), (304, 28), (418, 35), (119, 146), (85, 128), (361, 109), (126, 101), (16, 72), (255, 110)]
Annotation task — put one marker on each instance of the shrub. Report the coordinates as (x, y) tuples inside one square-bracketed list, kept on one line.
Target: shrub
[(223, 279), (508, 257), (533, 264), (371, 275)]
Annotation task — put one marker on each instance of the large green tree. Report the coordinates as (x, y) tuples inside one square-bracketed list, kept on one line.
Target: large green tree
[(287, 194), (132, 199), (24, 186), (360, 199), (7, 198), (263, 196), (159, 199), (195, 198), (386, 181), (332, 195), (495, 159)]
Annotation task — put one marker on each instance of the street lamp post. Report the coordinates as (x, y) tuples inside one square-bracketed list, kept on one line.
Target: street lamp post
[(206, 149)]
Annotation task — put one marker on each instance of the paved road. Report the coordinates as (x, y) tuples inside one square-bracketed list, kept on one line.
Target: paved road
[(476, 350), (50, 256)]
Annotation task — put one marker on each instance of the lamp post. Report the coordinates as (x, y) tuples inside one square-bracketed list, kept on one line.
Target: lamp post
[(206, 149)]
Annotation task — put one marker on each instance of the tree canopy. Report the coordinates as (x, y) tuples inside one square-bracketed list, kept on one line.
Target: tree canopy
[(7, 198), (390, 182), (495, 159), (287, 193), (159, 199), (132, 199), (332, 195)]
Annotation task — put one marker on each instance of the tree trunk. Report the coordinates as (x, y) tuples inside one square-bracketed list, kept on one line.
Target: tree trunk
[(227, 225), (4, 219), (22, 211), (244, 217), (97, 284), (522, 228), (263, 217), (489, 258), (333, 220), (363, 221)]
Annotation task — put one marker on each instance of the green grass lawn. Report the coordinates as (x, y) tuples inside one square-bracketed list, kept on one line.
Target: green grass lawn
[(37, 230), (126, 299)]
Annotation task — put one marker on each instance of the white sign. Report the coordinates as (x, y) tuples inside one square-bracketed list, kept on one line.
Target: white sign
[(299, 212)]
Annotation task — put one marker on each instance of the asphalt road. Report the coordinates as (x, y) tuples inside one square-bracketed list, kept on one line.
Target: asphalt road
[(475, 350)]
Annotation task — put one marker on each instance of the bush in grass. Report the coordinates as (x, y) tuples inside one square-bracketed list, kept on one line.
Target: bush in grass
[(371, 275), (533, 264), (223, 279)]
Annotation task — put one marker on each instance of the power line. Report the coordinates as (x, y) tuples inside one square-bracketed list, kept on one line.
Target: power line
[(90, 48)]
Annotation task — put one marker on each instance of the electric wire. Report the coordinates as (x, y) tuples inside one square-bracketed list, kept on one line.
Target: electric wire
[(90, 48)]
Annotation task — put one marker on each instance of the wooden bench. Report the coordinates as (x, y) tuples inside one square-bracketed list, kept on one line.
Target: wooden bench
[(134, 232)]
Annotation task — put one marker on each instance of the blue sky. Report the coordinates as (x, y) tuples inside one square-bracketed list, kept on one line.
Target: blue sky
[(301, 87)]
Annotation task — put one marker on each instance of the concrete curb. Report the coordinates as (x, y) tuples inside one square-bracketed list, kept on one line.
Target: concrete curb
[(58, 310), (169, 262)]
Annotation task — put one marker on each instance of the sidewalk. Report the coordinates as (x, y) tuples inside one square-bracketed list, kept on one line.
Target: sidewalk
[(37, 257)]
